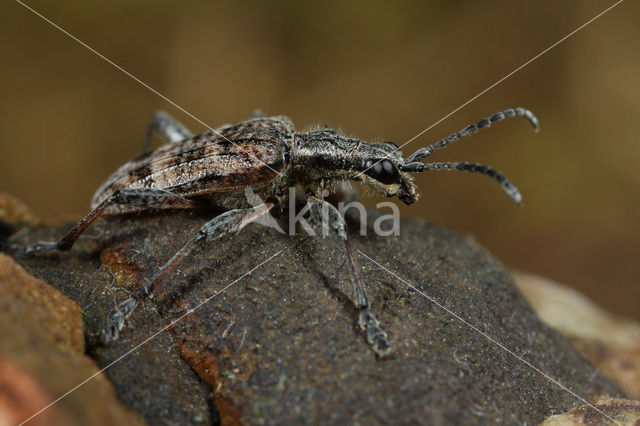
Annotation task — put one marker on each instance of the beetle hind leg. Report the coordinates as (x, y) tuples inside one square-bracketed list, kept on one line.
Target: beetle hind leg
[(136, 197), (170, 129)]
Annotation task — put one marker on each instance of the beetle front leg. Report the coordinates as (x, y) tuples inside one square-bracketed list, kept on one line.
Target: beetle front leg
[(228, 222), (376, 336), (170, 129)]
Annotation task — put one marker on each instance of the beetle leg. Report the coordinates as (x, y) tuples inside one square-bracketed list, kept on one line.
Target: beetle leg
[(170, 129), (136, 197), (257, 113), (376, 336), (228, 222)]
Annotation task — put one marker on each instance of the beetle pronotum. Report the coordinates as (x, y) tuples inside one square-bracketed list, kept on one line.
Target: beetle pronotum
[(267, 154)]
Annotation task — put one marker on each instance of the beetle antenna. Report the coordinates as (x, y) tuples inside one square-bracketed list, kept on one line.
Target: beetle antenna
[(423, 153), (510, 188)]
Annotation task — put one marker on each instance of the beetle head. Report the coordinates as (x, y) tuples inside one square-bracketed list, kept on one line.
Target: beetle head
[(380, 166), (389, 173), (326, 155)]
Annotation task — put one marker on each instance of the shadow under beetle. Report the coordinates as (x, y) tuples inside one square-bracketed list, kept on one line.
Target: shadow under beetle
[(268, 155)]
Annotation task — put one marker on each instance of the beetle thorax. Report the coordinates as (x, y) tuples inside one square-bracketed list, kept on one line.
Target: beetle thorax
[(321, 157)]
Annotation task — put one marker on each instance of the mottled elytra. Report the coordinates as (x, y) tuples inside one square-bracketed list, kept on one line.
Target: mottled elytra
[(267, 155)]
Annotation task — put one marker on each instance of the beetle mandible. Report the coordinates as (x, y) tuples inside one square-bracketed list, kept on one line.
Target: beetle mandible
[(267, 154)]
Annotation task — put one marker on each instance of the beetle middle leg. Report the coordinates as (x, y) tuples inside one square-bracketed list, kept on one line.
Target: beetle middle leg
[(376, 336), (257, 113), (228, 222)]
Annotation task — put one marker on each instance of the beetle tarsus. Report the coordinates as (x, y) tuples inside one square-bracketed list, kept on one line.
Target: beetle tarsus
[(38, 248), (116, 320), (376, 336)]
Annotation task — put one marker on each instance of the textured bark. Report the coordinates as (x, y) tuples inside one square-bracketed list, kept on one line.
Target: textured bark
[(282, 345)]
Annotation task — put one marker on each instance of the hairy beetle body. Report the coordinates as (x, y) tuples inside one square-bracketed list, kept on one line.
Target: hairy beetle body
[(267, 155)]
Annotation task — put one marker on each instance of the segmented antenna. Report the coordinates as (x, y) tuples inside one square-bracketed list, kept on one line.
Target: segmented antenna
[(510, 188), (423, 153)]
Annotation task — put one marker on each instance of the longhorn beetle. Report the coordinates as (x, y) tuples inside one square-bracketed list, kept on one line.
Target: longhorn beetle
[(267, 154)]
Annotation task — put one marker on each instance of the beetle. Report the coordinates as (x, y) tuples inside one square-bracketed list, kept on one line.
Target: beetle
[(270, 156)]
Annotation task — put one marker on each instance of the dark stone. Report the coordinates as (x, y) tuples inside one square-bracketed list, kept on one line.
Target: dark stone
[(282, 345)]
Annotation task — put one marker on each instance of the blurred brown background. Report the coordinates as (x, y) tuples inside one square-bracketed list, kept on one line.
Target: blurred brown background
[(379, 70)]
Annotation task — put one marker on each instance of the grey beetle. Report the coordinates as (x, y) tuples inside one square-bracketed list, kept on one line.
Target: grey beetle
[(268, 155)]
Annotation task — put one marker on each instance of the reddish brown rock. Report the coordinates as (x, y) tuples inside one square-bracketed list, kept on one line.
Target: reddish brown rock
[(14, 214), (608, 341), (42, 357), (622, 411), (22, 395)]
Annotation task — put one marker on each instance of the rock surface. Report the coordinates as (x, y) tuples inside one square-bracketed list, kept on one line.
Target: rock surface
[(611, 343), (282, 346), (42, 356), (623, 411), (14, 214)]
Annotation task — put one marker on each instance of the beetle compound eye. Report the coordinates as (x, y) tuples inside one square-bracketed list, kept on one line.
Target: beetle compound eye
[(384, 171)]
